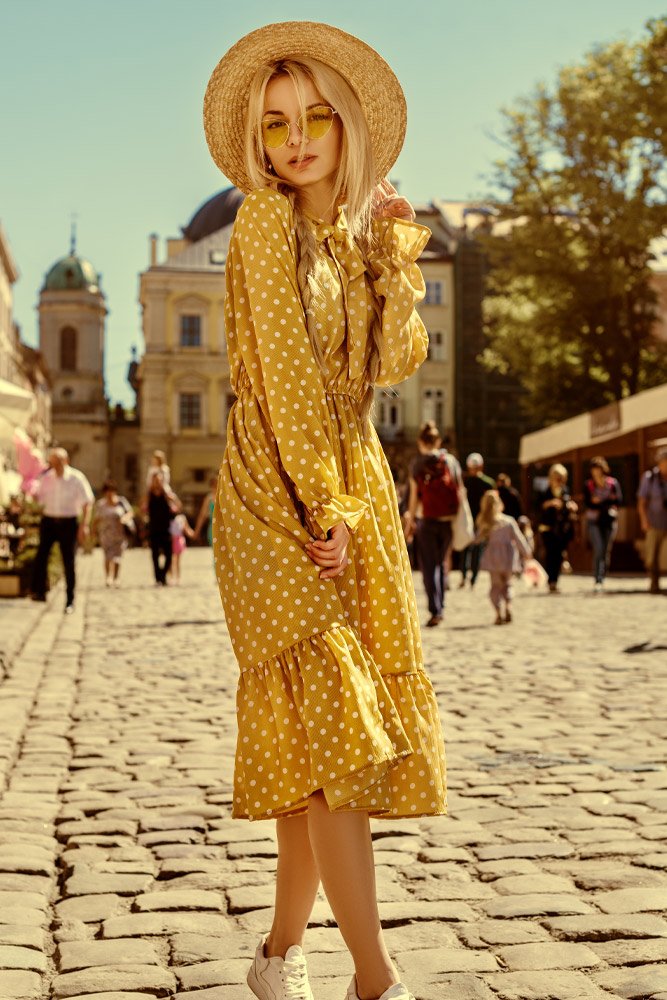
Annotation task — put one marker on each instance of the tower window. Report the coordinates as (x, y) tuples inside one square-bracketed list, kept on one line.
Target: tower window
[(68, 338), (190, 331), (189, 409)]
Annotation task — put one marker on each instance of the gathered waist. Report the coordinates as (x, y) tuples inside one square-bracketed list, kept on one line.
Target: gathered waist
[(243, 384)]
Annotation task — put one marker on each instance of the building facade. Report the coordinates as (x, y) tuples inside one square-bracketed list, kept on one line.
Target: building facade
[(183, 377), (72, 314)]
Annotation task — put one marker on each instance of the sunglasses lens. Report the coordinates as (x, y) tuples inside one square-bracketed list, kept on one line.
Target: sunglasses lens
[(274, 132), (318, 122)]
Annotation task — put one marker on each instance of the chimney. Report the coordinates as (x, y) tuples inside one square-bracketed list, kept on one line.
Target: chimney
[(153, 242)]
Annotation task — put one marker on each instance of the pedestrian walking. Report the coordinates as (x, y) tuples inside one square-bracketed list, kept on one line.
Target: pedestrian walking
[(506, 550), (67, 500), (160, 508), (112, 519), (510, 497), (179, 529), (602, 498), (435, 482), (652, 509), (337, 716), (476, 485), (557, 511)]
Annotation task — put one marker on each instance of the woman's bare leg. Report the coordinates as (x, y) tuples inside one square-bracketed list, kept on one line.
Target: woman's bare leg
[(343, 850), (297, 883)]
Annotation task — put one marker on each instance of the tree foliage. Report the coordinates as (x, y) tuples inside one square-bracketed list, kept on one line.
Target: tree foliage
[(582, 193)]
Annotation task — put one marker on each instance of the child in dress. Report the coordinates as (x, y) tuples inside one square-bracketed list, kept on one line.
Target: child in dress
[(178, 529), (505, 551)]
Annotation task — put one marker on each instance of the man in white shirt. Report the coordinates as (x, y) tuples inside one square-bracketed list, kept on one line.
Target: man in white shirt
[(65, 495)]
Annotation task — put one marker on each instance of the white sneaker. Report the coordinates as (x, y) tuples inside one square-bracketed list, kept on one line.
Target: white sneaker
[(396, 992), (280, 978)]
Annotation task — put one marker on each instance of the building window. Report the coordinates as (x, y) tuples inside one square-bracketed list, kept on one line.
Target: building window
[(190, 331), (433, 407), (390, 415), (68, 340), (189, 409), (433, 293), (436, 346)]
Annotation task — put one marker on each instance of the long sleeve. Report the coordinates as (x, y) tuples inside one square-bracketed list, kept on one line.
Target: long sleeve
[(266, 313), (399, 285)]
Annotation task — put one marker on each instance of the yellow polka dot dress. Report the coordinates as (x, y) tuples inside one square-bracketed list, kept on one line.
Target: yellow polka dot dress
[(332, 692)]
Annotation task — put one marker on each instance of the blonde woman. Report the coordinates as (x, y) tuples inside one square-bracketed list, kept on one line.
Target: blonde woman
[(337, 717), (557, 511), (506, 549)]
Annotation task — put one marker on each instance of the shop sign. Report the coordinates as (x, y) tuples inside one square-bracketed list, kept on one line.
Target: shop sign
[(606, 420)]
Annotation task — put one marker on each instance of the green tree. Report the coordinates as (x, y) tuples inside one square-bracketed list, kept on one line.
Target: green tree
[(582, 192)]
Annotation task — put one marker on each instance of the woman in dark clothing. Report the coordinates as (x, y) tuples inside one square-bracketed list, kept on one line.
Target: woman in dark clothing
[(160, 509), (557, 510), (602, 498)]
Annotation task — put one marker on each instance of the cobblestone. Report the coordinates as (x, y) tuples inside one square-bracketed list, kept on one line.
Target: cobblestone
[(122, 875)]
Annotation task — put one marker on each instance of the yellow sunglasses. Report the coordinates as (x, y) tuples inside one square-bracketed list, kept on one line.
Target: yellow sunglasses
[(314, 124)]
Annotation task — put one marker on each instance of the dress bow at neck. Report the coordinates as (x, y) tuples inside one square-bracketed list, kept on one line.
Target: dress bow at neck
[(351, 269)]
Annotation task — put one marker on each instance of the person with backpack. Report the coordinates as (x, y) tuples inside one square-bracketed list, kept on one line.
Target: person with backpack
[(435, 481)]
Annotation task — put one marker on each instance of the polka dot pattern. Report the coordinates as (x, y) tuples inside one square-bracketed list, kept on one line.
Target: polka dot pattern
[(332, 692)]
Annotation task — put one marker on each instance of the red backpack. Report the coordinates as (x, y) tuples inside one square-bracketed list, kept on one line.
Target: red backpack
[(437, 486)]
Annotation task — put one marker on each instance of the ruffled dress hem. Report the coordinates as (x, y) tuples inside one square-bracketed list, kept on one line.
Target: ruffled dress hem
[(320, 715)]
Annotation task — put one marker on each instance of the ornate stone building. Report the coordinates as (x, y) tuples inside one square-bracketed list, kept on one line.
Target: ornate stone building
[(183, 376), (72, 312), (72, 318)]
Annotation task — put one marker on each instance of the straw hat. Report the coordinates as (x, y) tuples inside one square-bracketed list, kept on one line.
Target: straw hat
[(376, 86)]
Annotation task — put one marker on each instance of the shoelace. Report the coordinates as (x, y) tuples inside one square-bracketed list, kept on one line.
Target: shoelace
[(295, 979)]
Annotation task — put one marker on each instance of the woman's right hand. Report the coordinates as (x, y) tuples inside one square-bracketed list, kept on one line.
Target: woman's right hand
[(331, 554)]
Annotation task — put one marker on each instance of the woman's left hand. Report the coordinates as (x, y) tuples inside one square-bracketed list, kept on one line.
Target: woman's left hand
[(389, 204), (331, 554)]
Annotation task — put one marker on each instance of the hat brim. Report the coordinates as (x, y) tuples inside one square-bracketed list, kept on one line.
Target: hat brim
[(372, 79)]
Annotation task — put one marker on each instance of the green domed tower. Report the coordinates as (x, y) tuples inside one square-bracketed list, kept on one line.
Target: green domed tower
[(72, 313), (72, 273)]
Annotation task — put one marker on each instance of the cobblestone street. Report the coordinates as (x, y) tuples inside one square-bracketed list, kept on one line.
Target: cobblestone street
[(122, 876)]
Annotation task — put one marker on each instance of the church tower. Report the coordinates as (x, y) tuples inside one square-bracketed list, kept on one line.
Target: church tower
[(72, 311)]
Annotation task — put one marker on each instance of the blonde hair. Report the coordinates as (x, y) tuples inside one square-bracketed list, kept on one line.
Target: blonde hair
[(490, 509), (353, 185)]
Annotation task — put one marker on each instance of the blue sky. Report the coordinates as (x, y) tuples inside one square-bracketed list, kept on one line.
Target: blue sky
[(102, 114)]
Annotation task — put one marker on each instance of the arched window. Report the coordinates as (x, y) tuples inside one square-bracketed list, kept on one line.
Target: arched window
[(68, 338)]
